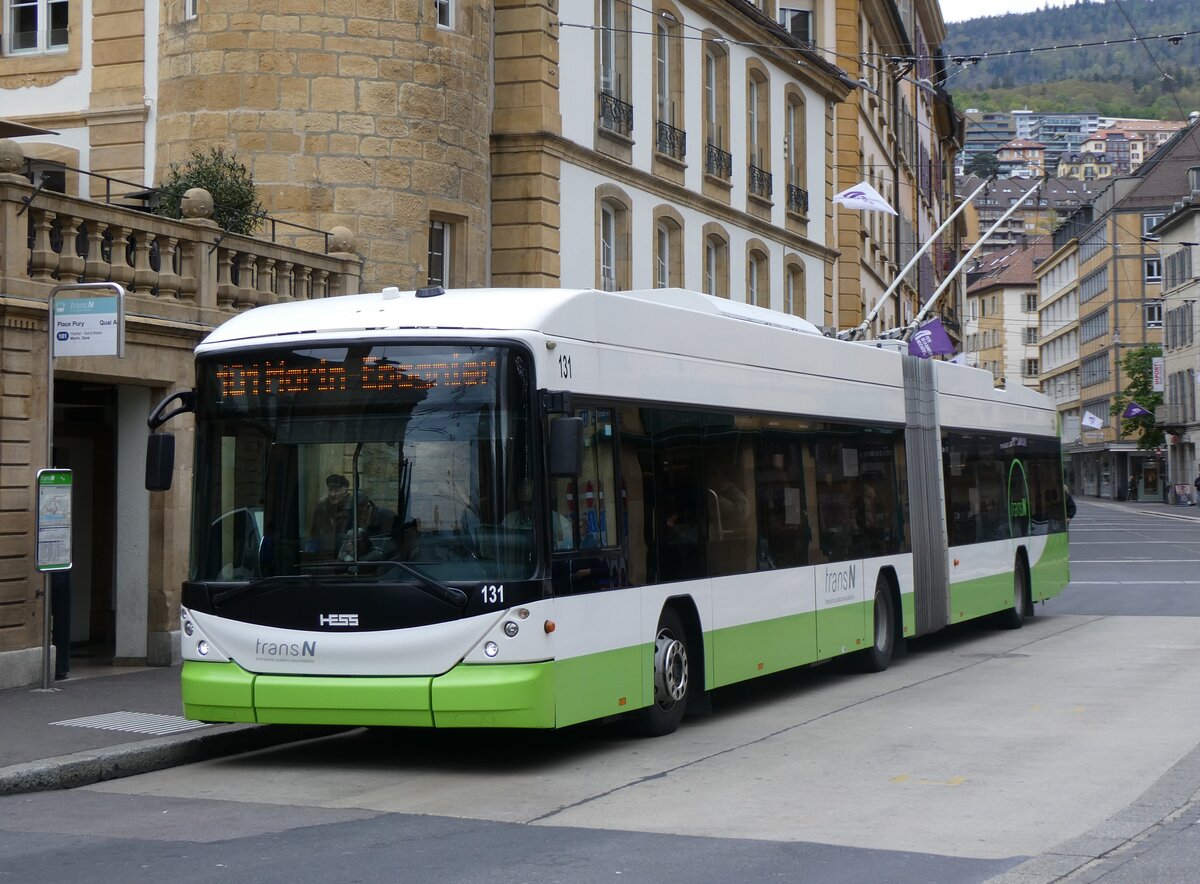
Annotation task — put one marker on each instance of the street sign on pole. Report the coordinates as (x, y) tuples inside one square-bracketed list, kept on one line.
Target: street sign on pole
[(86, 324), (89, 326)]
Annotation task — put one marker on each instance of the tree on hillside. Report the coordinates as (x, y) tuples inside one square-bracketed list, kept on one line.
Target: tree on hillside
[(1138, 367)]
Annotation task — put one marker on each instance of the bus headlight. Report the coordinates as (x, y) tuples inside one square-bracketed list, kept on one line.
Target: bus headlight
[(202, 648), (511, 628), (491, 649)]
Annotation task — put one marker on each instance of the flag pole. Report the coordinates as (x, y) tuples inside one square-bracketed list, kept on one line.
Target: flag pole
[(858, 331), (953, 274)]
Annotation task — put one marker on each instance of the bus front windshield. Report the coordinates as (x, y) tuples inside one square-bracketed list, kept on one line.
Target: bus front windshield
[(376, 461)]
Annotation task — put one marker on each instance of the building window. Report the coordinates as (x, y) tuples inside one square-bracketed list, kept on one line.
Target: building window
[(614, 47), (440, 240), (668, 249), (1154, 314), (716, 265), (445, 13), (1031, 335), (797, 22), (1150, 221), (759, 132), (793, 288), (190, 9), (35, 26), (1153, 270), (758, 288), (1031, 368), (612, 247), (794, 154), (608, 248)]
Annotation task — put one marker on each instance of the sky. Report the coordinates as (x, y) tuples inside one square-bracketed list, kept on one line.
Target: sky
[(961, 10)]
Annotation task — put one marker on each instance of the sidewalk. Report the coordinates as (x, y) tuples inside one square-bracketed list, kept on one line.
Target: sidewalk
[(106, 726)]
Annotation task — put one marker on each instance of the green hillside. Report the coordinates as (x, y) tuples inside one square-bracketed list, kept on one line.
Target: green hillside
[(1118, 79)]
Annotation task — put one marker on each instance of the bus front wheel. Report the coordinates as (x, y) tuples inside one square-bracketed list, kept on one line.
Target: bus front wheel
[(672, 678)]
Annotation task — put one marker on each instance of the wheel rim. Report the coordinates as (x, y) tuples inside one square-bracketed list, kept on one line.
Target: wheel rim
[(670, 670)]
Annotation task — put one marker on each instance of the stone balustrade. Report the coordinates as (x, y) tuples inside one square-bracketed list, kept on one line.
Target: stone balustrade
[(169, 267)]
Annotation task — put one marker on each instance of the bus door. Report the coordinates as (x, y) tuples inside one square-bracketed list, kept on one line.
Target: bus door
[(602, 665)]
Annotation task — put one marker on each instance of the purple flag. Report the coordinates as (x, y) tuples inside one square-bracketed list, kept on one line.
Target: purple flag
[(1133, 410), (931, 340)]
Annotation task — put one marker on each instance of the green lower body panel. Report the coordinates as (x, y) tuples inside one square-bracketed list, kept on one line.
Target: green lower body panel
[(509, 695), (217, 692), (315, 699), (597, 685), (980, 597), (513, 695), (754, 649)]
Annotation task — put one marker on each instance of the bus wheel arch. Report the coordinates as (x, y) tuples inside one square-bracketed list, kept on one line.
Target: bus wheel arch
[(678, 668), (887, 628)]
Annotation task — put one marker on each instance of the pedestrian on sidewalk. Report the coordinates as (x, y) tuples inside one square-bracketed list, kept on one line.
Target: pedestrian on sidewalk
[(1132, 488), (1196, 496)]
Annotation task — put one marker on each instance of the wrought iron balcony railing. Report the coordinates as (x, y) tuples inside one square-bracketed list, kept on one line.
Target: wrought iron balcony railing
[(717, 162), (616, 115), (671, 141), (759, 182), (797, 199)]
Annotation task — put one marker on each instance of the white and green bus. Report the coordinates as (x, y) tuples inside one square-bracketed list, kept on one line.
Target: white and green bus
[(533, 508)]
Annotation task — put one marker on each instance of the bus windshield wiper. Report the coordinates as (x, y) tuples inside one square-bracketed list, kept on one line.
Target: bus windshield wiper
[(449, 594)]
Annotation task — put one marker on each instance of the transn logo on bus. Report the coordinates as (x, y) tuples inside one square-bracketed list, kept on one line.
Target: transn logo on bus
[(339, 620)]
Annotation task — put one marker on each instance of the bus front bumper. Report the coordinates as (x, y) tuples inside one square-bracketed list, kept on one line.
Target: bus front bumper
[(519, 695)]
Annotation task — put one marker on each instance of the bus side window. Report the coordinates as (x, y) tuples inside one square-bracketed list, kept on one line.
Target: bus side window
[(583, 508)]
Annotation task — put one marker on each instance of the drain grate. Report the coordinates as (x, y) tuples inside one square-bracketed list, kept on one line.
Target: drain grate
[(135, 723)]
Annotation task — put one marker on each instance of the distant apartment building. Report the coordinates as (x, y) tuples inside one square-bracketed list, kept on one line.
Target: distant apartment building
[(1021, 158), (1179, 416), (1124, 151), (1000, 315), (1037, 214), (1084, 166), (1100, 296), (986, 132), (1154, 133)]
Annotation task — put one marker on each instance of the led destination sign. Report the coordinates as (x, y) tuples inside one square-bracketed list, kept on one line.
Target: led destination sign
[(291, 374)]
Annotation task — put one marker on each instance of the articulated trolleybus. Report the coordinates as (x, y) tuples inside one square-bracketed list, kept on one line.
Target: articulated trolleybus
[(532, 508)]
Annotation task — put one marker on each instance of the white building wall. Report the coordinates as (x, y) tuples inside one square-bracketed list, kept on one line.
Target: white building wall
[(578, 90)]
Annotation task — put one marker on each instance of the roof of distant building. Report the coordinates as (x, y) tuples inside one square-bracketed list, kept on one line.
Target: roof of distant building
[(1010, 267)]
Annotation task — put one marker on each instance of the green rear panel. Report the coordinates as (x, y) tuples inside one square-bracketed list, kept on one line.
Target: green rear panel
[(1052, 571), (509, 695)]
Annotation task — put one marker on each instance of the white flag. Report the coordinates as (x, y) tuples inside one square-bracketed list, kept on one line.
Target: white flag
[(1090, 420), (863, 196)]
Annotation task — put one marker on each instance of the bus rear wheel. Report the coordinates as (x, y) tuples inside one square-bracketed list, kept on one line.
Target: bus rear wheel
[(877, 657), (672, 678), (1013, 617)]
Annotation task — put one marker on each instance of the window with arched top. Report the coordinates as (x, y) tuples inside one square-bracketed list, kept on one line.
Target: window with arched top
[(758, 280), (612, 239), (795, 152), (758, 131), (718, 161), (716, 261), (668, 248), (793, 287)]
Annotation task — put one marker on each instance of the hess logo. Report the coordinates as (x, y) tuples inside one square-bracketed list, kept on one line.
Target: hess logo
[(339, 620)]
